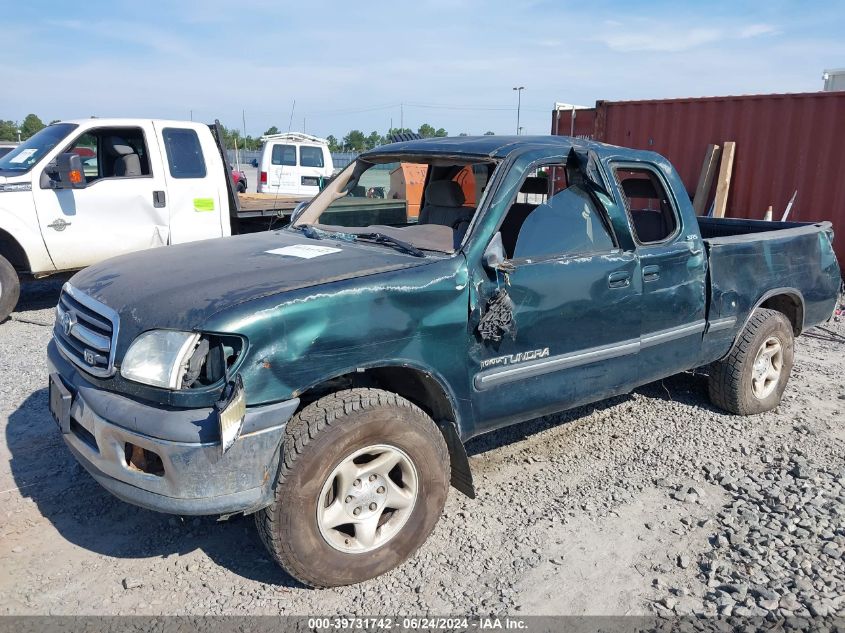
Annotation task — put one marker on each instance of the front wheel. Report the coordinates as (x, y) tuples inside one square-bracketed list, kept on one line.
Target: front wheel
[(10, 289), (752, 378), (364, 478)]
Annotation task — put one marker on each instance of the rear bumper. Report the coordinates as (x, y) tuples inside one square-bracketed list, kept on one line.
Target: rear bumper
[(194, 476)]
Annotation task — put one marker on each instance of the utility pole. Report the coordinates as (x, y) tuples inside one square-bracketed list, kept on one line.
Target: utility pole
[(192, 114), (402, 115), (518, 105), (243, 122)]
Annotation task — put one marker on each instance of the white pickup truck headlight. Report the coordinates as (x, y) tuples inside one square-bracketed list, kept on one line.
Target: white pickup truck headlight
[(159, 358)]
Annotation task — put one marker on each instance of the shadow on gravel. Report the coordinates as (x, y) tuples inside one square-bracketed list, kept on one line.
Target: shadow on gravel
[(687, 388), (38, 295), (518, 432), (86, 515)]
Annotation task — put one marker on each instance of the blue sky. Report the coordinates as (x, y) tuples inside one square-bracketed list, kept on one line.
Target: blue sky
[(453, 63)]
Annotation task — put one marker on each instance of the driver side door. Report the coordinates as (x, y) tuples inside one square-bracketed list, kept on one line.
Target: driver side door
[(116, 212), (575, 300)]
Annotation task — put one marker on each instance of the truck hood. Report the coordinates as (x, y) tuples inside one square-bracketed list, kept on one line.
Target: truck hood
[(180, 287)]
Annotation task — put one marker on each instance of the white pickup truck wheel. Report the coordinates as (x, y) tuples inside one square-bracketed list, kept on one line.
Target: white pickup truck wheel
[(751, 379), (364, 477), (10, 289)]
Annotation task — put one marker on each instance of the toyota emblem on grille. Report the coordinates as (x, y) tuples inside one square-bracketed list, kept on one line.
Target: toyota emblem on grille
[(68, 321)]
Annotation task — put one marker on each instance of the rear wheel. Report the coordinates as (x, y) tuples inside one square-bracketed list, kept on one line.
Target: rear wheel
[(364, 478), (241, 186), (10, 289), (752, 378)]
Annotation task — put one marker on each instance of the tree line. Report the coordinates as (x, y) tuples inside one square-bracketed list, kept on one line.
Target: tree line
[(31, 124), (353, 141)]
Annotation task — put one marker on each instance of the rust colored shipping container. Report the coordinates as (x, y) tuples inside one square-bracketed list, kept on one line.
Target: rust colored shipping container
[(784, 143)]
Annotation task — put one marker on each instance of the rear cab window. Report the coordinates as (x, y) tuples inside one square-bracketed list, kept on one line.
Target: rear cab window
[(184, 153), (654, 219), (283, 155)]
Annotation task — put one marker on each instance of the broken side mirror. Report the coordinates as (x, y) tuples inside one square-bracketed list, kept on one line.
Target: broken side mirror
[(495, 259), (297, 210), (67, 172)]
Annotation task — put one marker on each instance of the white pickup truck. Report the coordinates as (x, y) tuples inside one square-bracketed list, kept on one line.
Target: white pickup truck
[(79, 192)]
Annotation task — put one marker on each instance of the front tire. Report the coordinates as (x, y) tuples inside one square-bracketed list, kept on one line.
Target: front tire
[(363, 481), (10, 289), (752, 378)]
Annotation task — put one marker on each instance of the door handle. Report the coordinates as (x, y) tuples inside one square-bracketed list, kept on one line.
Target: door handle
[(159, 200), (651, 273), (619, 279)]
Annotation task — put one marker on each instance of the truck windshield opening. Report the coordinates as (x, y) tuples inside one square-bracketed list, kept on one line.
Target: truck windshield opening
[(24, 156)]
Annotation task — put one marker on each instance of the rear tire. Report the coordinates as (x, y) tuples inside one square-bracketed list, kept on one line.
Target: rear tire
[(10, 289), (338, 477), (752, 378)]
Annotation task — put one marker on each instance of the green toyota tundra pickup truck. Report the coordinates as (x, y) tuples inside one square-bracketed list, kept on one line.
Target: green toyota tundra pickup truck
[(326, 375)]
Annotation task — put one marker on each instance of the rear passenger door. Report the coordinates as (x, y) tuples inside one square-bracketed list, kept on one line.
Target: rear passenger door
[(575, 298), (195, 177), (673, 268)]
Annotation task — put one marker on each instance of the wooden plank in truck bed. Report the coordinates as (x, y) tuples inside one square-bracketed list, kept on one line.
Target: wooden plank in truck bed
[(267, 204)]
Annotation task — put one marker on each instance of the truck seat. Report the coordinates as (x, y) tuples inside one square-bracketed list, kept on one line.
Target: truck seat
[(519, 211), (444, 201), (125, 162)]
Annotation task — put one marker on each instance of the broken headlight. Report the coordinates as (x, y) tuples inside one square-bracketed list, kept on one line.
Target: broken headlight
[(159, 358), (181, 360)]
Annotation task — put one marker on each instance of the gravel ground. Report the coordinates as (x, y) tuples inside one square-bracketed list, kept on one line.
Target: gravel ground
[(655, 502)]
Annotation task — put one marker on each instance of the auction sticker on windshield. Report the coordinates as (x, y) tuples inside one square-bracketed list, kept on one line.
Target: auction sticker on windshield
[(23, 156), (304, 251)]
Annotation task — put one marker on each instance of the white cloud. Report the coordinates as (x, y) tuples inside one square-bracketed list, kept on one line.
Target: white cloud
[(658, 38), (756, 30)]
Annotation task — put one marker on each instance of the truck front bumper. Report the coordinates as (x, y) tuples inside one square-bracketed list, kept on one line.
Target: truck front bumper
[(193, 476)]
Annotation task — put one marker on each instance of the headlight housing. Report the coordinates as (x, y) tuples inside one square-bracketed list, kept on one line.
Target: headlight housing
[(159, 358)]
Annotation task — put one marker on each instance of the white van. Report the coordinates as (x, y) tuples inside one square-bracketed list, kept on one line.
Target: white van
[(293, 164)]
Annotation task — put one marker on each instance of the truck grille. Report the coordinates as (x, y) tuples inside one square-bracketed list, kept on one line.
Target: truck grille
[(86, 331)]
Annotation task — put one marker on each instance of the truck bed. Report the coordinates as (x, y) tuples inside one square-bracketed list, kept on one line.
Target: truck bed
[(752, 260), (718, 228)]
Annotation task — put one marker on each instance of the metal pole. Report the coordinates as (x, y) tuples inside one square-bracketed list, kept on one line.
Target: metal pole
[(519, 90)]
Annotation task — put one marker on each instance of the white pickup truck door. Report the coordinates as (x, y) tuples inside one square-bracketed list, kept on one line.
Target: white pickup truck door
[(112, 215), (195, 176)]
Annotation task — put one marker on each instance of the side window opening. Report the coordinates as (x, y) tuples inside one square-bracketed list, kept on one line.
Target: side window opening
[(113, 153), (184, 153), (551, 217), (284, 155), (653, 218)]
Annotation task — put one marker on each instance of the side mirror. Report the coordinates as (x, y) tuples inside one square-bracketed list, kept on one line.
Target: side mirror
[(68, 173), (297, 210), (494, 256)]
